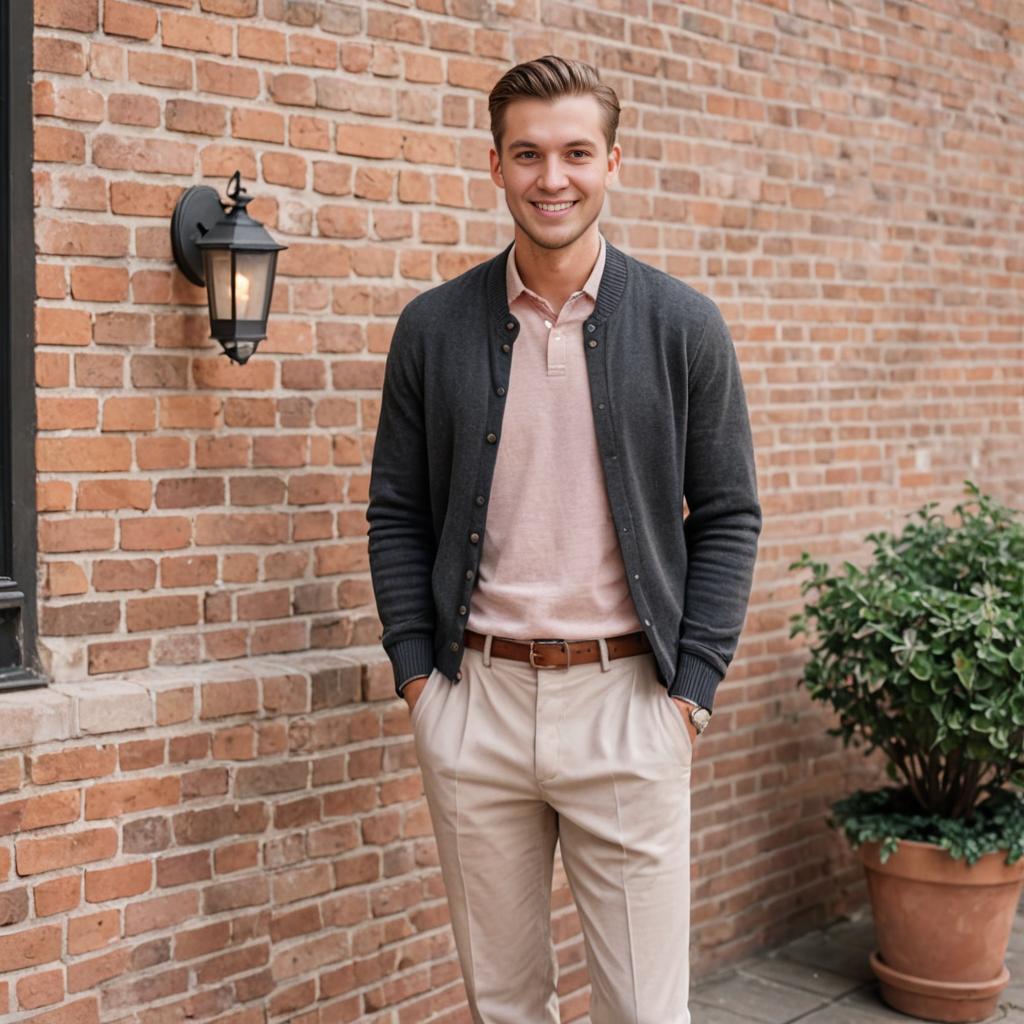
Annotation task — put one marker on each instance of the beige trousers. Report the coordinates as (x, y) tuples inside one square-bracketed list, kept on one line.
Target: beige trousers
[(596, 757)]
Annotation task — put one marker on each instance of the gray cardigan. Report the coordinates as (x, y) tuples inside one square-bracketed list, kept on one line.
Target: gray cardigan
[(670, 417)]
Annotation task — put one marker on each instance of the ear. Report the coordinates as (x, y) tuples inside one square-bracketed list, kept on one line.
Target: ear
[(614, 160), (495, 161)]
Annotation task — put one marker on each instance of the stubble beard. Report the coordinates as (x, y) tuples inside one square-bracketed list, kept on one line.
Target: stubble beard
[(555, 242)]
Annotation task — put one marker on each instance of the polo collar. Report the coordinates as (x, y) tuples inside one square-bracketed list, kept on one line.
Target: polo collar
[(613, 284)]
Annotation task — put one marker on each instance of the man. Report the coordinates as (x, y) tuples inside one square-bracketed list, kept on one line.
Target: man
[(556, 627)]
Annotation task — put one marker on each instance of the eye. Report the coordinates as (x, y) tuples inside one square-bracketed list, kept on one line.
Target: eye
[(582, 152)]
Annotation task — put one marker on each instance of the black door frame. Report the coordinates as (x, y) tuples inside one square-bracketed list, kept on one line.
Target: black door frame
[(19, 658)]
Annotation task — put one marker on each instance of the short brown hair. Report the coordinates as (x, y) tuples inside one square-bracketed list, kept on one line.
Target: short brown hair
[(549, 78)]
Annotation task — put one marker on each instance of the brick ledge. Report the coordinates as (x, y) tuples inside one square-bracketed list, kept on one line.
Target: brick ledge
[(174, 694)]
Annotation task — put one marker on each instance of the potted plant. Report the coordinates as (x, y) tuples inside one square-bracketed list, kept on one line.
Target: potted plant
[(921, 655)]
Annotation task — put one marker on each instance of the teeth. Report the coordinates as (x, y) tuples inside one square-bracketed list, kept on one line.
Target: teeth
[(554, 206)]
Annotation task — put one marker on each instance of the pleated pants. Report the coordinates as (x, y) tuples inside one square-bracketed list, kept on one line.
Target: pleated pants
[(597, 758)]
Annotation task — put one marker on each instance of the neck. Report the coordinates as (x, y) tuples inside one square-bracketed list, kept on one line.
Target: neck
[(557, 271)]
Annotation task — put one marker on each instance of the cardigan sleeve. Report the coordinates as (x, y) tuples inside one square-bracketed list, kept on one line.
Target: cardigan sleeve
[(402, 545), (724, 514)]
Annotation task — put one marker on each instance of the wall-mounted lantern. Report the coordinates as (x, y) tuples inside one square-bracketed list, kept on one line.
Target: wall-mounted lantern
[(234, 256)]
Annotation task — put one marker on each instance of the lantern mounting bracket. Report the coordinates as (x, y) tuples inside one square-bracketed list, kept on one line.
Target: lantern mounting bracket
[(198, 209)]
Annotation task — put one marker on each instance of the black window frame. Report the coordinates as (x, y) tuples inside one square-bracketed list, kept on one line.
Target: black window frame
[(20, 667)]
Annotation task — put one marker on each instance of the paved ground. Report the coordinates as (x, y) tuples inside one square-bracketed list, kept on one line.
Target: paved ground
[(824, 978)]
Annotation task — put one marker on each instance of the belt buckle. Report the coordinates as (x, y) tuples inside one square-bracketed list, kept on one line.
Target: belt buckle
[(568, 655)]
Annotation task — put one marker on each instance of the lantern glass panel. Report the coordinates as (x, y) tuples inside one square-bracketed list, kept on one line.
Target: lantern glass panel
[(251, 280), (218, 282)]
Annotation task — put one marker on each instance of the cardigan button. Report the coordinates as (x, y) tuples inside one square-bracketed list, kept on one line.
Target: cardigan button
[(510, 325), (506, 347), (500, 391), (474, 538), (479, 499), (590, 328), (469, 574), (592, 343), (462, 609), (453, 646), (491, 438)]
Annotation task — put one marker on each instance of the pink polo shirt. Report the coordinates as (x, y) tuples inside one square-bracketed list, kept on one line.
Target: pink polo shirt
[(551, 565)]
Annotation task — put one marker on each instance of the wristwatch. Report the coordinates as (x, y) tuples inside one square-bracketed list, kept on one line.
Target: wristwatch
[(698, 715)]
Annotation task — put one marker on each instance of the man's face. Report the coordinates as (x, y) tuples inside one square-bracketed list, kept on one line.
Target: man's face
[(554, 152)]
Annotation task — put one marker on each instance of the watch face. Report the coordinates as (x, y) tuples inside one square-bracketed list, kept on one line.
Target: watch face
[(700, 717)]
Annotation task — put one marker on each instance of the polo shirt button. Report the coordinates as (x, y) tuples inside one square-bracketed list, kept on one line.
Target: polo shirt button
[(479, 500), (453, 646), (474, 538), (462, 609), (491, 438), (592, 343)]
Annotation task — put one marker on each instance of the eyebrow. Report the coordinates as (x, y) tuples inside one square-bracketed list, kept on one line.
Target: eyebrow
[(525, 144)]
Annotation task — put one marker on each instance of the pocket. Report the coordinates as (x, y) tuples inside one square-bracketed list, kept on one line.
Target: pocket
[(428, 688), (676, 710)]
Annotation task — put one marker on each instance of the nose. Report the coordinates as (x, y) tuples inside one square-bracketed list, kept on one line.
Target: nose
[(552, 176)]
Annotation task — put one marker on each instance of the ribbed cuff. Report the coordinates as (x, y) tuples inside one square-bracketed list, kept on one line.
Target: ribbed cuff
[(410, 659), (695, 680)]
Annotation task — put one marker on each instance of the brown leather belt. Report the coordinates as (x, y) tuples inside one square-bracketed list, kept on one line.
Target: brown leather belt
[(560, 653)]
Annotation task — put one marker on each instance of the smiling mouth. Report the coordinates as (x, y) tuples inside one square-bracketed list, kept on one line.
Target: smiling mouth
[(554, 207)]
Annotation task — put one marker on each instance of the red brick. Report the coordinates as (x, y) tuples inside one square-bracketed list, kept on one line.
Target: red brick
[(201, 941), (163, 612), (125, 19), (118, 882), (77, 15), (157, 156), (183, 115), (159, 69), (34, 812), (227, 79), (112, 799), (364, 140), (136, 755), (66, 413), (89, 974), (142, 199), (57, 896), (262, 44), (69, 238), (40, 989), (61, 56), (155, 533), (93, 931), (84, 1011), (10, 773), (30, 948), (83, 454), (161, 912), (63, 326), (118, 656), (186, 32), (182, 868)]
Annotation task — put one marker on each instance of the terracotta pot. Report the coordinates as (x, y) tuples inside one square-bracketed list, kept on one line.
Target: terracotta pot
[(942, 929)]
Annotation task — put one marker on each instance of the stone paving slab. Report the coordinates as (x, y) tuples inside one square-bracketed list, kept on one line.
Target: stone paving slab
[(824, 978)]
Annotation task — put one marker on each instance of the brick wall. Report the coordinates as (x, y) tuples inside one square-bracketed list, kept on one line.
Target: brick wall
[(840, 179)]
